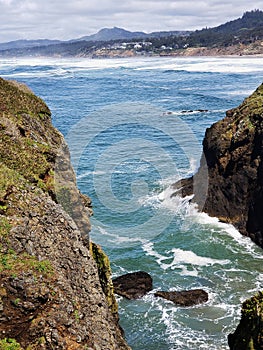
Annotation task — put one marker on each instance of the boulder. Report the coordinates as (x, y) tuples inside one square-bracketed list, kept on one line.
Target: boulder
[(184, 297), (133, 285)]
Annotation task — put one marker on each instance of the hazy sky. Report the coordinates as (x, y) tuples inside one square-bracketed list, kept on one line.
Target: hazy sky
[(64, 19)]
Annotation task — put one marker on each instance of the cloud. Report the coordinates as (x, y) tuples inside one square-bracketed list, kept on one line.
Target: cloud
[(58, 19)]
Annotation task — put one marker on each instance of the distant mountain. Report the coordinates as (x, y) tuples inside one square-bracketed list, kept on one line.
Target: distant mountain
[(109, 34), (105, 34), (20, 44)]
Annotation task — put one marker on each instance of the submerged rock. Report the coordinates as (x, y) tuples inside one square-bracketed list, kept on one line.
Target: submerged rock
[(229, 182), (133, 285), (249, 333), (185, 297)]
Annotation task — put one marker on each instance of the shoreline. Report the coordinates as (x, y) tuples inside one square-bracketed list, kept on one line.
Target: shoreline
[(114, 57), (236, 51)]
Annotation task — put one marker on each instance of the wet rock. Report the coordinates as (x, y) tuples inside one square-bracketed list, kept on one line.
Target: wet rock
[(185, 297), (228, 184), (133, 285), (188, 111)]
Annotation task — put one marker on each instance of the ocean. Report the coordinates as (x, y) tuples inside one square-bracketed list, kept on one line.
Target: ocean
[(134, 127)]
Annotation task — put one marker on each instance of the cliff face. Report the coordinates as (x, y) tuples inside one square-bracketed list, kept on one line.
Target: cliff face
[(232, 164), (249, 333), (229, 185), (51, 296)]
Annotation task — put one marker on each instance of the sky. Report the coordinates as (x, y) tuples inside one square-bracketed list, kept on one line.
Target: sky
[(70, 19)]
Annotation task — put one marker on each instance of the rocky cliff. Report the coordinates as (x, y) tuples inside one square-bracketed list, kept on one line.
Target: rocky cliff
[(249, 333), (53, 294), (229, 183)]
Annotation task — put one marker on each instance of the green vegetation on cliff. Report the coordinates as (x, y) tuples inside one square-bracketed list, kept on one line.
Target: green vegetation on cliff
[(26, 137), (9, 344), (243, 30), (25, 162), (51, 295), (104, 271), (249, 333)]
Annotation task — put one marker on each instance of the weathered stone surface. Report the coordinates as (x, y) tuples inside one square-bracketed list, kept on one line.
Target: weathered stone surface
[(51, 296), (133, 285), (229, 183), (249, 333), (185, 297)]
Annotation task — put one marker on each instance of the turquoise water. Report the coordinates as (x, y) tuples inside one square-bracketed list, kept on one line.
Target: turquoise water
[(135, 126)]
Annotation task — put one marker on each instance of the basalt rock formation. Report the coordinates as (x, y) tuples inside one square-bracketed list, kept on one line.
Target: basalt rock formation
[(229, 183), (185, 297), (55, 287), (133, 285), (249, 333)]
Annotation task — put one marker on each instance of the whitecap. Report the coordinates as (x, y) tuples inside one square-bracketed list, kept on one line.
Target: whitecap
[(231, 231), (88, 173), (188, 64), (190, 257), (187, 209), (180, 258), (114, 238)]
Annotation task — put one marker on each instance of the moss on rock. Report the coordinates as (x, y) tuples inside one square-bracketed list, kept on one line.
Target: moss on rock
[(104, 271), (9, 344), (249, 333), (28, 139), (51, 294)]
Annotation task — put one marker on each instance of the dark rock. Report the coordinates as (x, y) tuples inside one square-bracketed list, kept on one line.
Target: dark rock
[(133, 285), (249, 333), (229, 182), (188, 111), (185, 297)]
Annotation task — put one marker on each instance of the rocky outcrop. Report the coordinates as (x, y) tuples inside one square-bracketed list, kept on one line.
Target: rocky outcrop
[(51, 294), (185, 297), (249, 333), (229, 183), (133, 285)]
